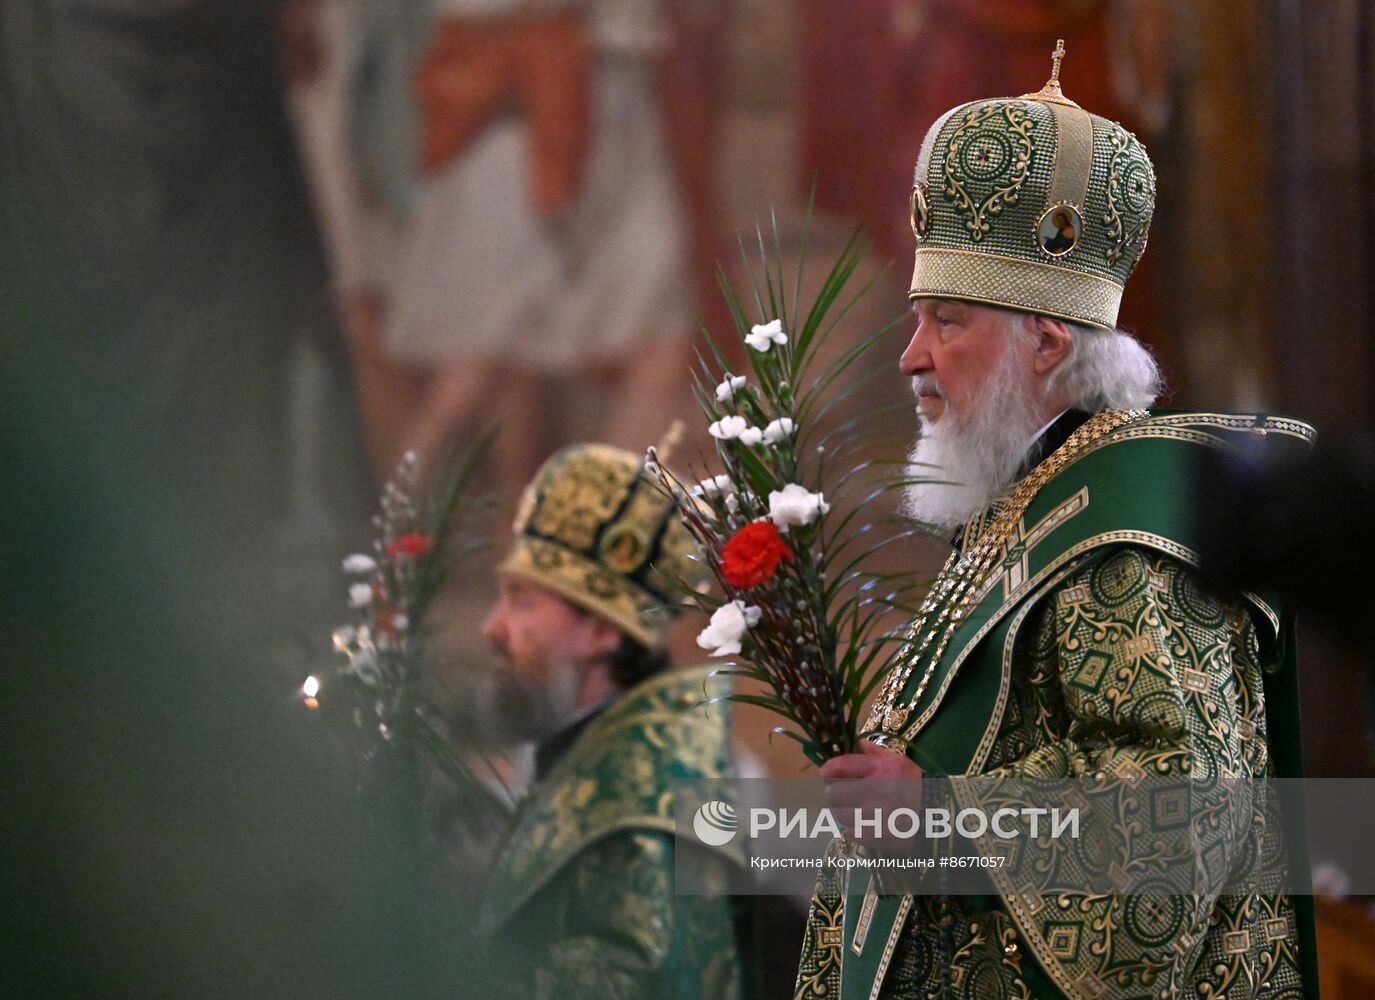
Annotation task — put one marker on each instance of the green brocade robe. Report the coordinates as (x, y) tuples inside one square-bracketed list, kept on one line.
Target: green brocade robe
[(1095, 648), (581, 902)]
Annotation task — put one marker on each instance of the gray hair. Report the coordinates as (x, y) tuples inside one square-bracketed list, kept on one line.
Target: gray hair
[(1106, 370)]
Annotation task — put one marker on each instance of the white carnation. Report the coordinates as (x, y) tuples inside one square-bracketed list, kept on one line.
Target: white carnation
[(763, 336), (795, 505), (727, 627), (751, 436), (725, 392), (778, 430)]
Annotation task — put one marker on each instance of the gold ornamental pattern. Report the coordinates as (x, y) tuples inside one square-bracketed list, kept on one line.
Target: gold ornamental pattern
[(1131, 198), (988, 161), (1134, 671), (818, 973)]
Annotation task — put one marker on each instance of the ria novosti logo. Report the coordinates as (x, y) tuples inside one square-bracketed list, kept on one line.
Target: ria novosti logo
[(715, 823)]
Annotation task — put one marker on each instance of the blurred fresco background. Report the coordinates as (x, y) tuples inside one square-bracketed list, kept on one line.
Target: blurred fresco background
[(252, 252)]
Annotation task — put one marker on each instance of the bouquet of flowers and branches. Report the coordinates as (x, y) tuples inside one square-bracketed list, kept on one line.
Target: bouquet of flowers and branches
[(789, 526), (382, 692)]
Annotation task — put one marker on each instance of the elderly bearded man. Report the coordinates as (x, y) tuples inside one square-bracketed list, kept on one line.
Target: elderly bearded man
[(581, 902), (1069, 635)]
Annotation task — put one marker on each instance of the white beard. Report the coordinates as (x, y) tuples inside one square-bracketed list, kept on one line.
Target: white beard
[(977, 455)]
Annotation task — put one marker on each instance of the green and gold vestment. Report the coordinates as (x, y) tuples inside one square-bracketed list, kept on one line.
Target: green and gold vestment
[(581, 902), (1095, 648)]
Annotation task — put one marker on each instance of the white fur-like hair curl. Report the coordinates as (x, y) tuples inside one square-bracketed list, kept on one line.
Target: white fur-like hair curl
[(1107, 370)]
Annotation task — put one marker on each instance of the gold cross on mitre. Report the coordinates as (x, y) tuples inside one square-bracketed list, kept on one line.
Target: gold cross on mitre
[(1051, 91)]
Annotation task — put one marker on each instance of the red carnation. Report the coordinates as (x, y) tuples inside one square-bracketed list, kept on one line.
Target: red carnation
[(753, 553), (409, 544)]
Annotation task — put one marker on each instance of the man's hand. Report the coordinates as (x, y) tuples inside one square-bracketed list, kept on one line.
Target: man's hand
[(872, 779)]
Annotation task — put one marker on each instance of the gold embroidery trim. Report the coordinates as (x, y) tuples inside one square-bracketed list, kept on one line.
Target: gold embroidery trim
[(1049, 289), (1144, 538), (1240, 422), (865, 918), (894, 934), (1069, 183), (990, 735)]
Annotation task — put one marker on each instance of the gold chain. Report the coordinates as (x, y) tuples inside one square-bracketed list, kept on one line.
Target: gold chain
[(962, 578)]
